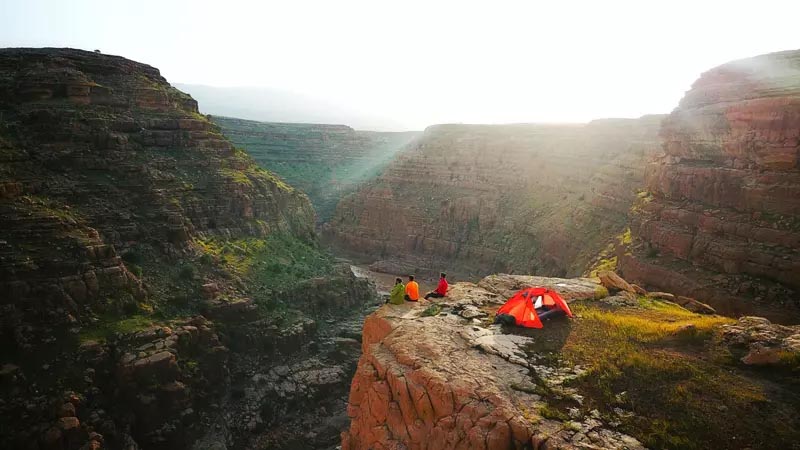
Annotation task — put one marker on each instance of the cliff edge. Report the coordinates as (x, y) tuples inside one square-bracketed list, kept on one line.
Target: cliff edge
[(628, 372)]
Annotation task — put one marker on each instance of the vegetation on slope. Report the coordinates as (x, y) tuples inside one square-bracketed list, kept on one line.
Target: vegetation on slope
[(324, 161)]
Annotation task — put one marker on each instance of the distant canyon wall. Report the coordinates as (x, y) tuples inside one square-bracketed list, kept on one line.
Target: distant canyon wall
[(526, 198), (326, 162), (721, 220)]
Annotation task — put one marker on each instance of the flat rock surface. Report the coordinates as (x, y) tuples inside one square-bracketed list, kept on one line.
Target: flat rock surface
[(443, 381)]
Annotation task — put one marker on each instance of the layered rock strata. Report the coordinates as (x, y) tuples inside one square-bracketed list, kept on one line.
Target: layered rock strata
[(483, 198), (100, 153), (721, 217), (327, 162)]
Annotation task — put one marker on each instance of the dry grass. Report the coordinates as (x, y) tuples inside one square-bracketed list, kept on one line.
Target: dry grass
[(682, 393)]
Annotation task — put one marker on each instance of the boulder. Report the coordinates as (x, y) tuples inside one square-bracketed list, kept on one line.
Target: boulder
[(638, 289), (66, 410), (694, 305), (662, 296), (763, 342), (74, 435), (614, 282)]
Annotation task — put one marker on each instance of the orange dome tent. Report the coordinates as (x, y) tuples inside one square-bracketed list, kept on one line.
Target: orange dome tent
[(522, 306)]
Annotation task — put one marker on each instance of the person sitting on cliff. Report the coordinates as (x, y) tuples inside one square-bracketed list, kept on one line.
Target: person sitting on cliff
[(412, 290), (397, 292), (441, 289)]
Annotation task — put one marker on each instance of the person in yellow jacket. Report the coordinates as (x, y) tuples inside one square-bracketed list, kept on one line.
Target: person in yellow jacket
[(412, 290), (397, 292)]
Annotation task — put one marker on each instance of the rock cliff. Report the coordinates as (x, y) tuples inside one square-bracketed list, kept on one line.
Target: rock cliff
[(532, 198), (147, 268), (326, 162), (628, 372), (720, 219), (103, 162)]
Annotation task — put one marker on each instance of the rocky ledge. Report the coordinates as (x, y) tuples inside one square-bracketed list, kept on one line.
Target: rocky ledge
[(629, 371)]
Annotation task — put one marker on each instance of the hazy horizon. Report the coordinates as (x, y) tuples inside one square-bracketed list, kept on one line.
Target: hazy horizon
[(415, 64)]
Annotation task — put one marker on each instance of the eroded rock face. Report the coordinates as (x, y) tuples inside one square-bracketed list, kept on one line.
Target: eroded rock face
[(482, 198), (99, 154), (102, 160), (721, 221), (441, 383)]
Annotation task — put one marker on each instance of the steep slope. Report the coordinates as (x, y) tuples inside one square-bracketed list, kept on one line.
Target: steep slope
[(124, 215), (721, 219), (326, 162), (625, 373), (482, 198), (101, 157)]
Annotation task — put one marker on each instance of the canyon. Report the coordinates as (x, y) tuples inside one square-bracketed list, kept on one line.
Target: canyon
[(702, 202), (171, 280), (478, 199)]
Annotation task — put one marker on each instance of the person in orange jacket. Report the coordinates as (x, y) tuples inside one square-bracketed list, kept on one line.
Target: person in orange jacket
[(412, 290), (441, 289)]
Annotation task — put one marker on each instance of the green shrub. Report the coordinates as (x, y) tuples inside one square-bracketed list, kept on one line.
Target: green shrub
[(187, 272), (136, 270), (133, 256), (432, 310)]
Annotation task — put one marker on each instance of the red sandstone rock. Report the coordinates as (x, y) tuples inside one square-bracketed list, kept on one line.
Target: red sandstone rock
[(638, 289), (614, 282), (66, 410), (723, 201), (765, 343), (439, 383), (694, 306)]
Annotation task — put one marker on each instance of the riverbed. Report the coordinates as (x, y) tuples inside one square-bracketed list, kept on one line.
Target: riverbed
[(385, 281)]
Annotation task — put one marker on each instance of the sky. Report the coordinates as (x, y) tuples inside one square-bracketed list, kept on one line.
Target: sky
[(418, 63)]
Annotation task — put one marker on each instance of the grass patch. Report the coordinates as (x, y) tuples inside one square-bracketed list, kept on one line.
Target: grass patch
[(272, 265), (432, 310), (625, 238), (681, 394), (236, 176), (603, 265), (549, 412), (108, 326), (50, 207), (600, 292), (237, 255)]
